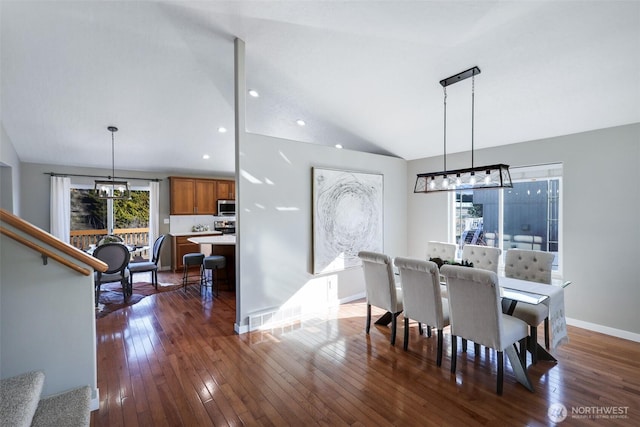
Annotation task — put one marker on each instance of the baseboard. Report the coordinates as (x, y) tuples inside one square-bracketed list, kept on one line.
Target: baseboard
[(95, 402), (619, 333), (240, 329), (352, 298)]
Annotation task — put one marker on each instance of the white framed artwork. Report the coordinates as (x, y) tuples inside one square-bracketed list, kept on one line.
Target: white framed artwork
[(347, 217)]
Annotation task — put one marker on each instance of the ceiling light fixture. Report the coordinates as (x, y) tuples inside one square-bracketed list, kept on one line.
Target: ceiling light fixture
[(300, 122), (205, 156), (110, 188), (475, 177), (338, 146), (222, 129), (254, 93)]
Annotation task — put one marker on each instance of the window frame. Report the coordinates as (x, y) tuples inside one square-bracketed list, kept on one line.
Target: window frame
[(547, 172)]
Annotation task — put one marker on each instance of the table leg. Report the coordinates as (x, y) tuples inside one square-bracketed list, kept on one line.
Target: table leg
[(386, 318), (518, 368)]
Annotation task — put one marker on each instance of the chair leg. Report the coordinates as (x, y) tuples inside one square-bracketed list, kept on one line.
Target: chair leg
[(500, 372), (454, 353), (464, 345), (394, 323), (368, 325), (214, 281), (428, 331), (440, 339), (154, 278), (546, 333), (533, 343), (97, 293), (420, 330), (476, 348), (406, 333)]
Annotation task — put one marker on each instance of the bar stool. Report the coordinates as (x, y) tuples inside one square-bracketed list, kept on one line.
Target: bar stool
[(213, 263), (190, 260)]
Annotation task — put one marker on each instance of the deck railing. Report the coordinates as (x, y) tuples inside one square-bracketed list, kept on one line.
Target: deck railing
[(83, 239)]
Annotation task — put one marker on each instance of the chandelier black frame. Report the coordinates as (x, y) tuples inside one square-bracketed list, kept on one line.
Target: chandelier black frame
[(110, 188), (475, 177)]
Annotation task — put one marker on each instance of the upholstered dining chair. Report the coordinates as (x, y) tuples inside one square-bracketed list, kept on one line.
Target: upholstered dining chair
[(475, 311), (484, 257), (534, 266), (116, 256), (421, 299), (149, 266), (380, 287), (442, 250)]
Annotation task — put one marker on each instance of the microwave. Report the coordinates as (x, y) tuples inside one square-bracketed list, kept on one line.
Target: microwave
[(226, 207)]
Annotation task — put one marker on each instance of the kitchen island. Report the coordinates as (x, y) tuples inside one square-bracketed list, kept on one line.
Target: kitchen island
[(223, 244)]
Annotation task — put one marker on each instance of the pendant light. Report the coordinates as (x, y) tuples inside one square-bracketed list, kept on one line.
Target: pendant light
[(475, 177), (110, 188)]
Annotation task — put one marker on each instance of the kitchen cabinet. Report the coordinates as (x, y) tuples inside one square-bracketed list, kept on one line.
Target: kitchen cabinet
[(226, 190), (192, 196)]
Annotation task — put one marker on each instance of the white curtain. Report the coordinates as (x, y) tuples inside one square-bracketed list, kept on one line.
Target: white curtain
[(61, 207), (154, 213)]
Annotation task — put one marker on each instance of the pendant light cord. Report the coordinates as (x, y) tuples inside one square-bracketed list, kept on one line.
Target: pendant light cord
[(473, 96), (444, 88), (113, 158)]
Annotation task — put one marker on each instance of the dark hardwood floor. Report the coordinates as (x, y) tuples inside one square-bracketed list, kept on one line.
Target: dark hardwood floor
[(174, 360)]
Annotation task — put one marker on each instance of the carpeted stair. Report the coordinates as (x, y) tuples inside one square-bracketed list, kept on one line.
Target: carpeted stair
[(20, 403)]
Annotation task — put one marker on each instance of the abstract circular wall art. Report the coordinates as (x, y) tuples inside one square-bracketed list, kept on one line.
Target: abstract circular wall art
[(347, 217)]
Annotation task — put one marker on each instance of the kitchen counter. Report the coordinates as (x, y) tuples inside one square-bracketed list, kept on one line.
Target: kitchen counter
[(196, 233), (222, 239)]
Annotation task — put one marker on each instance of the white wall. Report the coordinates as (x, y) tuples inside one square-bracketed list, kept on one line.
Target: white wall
[(9, 174), (601, 201), (47, 319), (275, 247)]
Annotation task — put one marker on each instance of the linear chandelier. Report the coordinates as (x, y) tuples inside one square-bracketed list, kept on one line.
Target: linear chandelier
[(110, 188), (475, 177)]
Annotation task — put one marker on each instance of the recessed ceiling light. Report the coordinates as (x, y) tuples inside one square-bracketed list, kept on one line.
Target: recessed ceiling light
[(338, 146), (300, 122), (254, 93), (205, 156), (222, 129)]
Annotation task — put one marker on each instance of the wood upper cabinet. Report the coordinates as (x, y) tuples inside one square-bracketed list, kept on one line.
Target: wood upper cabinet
[(193, 196), (206, 199), (226, 190)]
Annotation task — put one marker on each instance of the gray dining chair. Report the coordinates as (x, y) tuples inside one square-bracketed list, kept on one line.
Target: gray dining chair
[(421, 299), (380, 288), (116, 256), (149, 266), (475, 312), (534, 266)]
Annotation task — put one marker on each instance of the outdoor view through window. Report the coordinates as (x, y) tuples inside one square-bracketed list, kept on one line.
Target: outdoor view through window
[(526, 216), (92, 218)]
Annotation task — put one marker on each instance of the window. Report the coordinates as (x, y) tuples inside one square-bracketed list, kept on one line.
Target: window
[(92, 217), (527, 216)]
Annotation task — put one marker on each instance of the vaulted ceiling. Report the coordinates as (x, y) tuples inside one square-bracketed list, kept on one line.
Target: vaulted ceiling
[(362, 74)]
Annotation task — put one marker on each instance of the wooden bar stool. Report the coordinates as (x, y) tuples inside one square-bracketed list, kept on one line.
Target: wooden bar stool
[(191, 260), (213, 263)]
